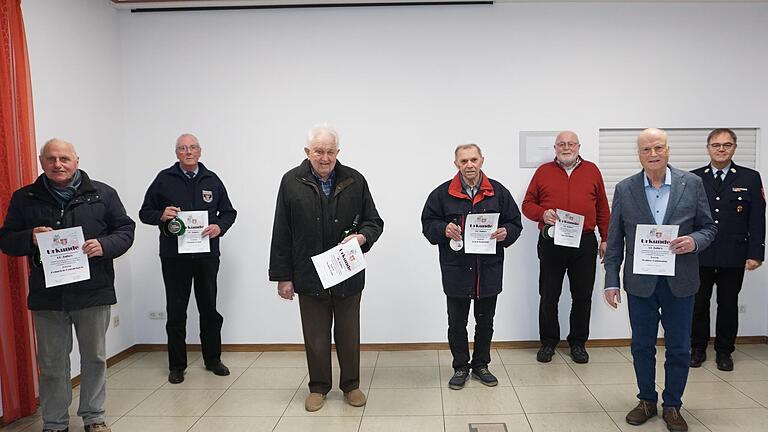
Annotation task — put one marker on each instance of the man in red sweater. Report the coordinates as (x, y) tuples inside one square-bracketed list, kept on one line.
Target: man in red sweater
[(571, 184)]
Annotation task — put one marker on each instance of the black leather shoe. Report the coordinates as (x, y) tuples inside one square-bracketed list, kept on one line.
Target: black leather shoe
[(458, 379), (579, 354), (176, 376), (698, 356), (218, 369), (484, 376), (724, 362), (545, 354)]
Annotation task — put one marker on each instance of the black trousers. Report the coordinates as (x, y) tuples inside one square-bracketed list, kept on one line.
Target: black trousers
[(458, 314), (728, 281), (178, 274), (554, 262), (318, 315)]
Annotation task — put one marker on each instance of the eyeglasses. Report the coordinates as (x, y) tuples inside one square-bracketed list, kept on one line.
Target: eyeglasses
[(184, 149), (566, 144), (657, 149), (724, 146), (321, 153)]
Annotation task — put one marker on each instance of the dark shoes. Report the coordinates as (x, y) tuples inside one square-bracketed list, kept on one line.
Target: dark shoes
[(218, 369), (458, 379), (579, 354), (56, 430), (545, 354), (642, 413), (698, 356), (97, 427), (675, 422), (485, 376), (176, 377), (724, 362)]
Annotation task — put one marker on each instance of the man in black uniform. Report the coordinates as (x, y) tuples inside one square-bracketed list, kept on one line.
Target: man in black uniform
[(737, 202), (188, 185)]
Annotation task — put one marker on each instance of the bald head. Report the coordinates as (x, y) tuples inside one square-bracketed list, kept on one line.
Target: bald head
[(59, 161), (652, 134), (653, 151)]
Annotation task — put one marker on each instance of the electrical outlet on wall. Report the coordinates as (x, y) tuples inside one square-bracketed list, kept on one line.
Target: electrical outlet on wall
[(157, 315), (115, 320)]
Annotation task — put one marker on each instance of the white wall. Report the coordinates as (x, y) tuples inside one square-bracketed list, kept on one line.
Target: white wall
[(403, 86), (75, 63)]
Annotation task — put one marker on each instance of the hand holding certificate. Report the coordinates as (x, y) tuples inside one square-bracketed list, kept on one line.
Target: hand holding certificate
[(339, 263), (192, 240), (652, 253), (478, 228), (61, 253), (568, 228)]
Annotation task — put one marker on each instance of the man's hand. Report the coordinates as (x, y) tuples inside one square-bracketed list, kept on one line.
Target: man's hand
[(360, 239), (285, 290), (92, 248), (39, 229), (613, 297), (752, 264), (550, 217), (211, 231), (682, 245), (453, 231), (601, 251), (499, 235), (170, 212)]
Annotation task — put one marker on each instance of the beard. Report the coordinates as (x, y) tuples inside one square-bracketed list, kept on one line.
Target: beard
[(568, 161)]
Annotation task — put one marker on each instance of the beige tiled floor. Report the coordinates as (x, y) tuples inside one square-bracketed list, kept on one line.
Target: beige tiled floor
[(407, 391)]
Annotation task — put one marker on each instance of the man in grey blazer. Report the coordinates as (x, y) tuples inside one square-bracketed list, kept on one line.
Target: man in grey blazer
[(658, 195)]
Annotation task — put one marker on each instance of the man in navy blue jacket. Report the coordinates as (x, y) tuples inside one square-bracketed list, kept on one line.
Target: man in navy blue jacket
[(189, 186), (735, 195), (469, 276)]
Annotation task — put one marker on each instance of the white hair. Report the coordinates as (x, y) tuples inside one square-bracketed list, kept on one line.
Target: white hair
[(53, 140), (319, 129)]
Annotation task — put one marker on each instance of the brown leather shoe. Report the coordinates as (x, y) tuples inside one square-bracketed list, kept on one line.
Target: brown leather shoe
[(675, 422), (641, 413), (356, 398), (314, 402)]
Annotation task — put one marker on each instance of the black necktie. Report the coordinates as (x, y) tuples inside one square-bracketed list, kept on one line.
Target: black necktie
[(719, 178), (191, 174)]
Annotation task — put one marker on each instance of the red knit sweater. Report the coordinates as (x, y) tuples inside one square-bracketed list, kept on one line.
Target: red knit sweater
[(582, 193)]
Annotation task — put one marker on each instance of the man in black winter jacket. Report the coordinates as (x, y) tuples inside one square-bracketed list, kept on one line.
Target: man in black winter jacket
[(65, 197), (189, 186), (470, 276), (318, 202)]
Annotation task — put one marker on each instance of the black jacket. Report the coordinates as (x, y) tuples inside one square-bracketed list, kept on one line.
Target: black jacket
[(204, 192), (470, 275), (738, 208), (308, 223), (98, 210)]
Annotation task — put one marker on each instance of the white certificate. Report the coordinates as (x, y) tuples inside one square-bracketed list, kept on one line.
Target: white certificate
[(61, 252), (652, 253), (568, 229), (478, 228), (339, 263), (192, 241)]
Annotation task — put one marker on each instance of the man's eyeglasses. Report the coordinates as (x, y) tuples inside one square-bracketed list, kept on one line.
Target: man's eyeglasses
[(658, 149), (184, 149), (724, 146), (566, 144)]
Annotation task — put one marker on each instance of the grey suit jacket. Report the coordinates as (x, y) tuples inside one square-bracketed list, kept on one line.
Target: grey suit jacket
[(688, 207)]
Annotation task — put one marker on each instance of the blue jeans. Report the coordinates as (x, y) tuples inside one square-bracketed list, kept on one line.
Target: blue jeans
[(54, 343), (675, 314)]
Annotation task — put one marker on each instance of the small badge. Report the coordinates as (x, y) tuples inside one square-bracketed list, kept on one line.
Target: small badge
[(208, 196), (739, 208)]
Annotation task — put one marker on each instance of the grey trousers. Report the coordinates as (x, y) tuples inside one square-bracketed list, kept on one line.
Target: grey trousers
[(54, 344)]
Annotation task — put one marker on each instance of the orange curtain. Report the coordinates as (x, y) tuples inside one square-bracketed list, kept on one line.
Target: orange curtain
[(18, 167)]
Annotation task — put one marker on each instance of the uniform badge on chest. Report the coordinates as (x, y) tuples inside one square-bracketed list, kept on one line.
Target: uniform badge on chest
[(739, 208), (208, 196)]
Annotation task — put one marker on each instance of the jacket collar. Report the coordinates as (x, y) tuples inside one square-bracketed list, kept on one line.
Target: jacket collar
[(39, 190), (455, 189), (176, 170)]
